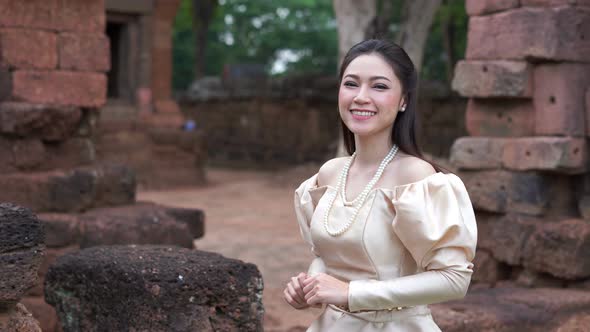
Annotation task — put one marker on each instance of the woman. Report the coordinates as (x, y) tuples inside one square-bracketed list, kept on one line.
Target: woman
[(390, 233)]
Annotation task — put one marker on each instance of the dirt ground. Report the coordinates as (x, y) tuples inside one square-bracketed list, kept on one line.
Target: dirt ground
[(249, 216)]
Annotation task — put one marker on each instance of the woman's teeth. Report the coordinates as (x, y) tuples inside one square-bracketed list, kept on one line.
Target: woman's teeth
[(362, 113)]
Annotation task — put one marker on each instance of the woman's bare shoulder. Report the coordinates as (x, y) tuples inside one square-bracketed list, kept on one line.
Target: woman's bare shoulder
[(409, 169), (330, 170)]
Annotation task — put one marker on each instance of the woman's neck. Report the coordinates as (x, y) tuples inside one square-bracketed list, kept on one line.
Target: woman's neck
[(370, 150)]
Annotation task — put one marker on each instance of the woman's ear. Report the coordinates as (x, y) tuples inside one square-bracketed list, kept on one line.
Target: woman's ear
[(403, 105)]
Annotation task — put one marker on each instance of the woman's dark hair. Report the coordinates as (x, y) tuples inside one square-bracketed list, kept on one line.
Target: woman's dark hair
[(405, 124)]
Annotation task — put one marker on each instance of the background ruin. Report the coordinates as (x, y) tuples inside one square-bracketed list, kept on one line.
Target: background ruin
[(87, 113)]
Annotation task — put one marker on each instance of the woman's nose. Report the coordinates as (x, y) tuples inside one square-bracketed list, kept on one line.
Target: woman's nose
[(361, 97)]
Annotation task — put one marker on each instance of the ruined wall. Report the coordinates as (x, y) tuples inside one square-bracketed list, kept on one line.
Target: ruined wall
[(282, 122), (525, 163), (53, 59)]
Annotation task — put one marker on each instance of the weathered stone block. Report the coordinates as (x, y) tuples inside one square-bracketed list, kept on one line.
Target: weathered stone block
[(154, 288), (26, 48), (554, 3), (482, 7), (520, 192), (510, 235), (528, 278), (505, 118), (70, 153), (69, 191), (116, 186), (61, 15), (5, 82), (85, 89), (509, 309), (477, 152), (51, 123), (60, 229), (84, 52), (487, 269), (18, 319), (493, 79), (588, 112), (584, 207), (515, 34), (51, 255), (560, 249), (559, 98), (561, 154), (138, 224), (34, 155), (18, 155), (21, 251)]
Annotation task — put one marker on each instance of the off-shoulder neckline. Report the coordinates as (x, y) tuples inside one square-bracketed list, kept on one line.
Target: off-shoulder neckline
[(393, 189)]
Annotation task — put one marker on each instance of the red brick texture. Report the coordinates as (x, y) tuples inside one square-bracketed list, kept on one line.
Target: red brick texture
[(558, 154), (516, 34), (59, 15), (554, 3), (84, 89), (563, 154), (25, 48), (501, 118), (482, 7), (85, 52), (559, 98), (493, 79)]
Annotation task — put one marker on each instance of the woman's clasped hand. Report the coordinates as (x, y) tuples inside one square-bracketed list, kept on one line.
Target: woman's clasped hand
[(304, 291)]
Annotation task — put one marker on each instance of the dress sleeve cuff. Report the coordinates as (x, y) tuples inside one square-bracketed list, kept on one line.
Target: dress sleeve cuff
[(359, 295)]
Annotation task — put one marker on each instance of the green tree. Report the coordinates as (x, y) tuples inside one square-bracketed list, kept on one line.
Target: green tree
[(260, 32)]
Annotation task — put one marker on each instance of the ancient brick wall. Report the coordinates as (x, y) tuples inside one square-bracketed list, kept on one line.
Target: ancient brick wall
[(283, 122), (525, 163), (53, 58)]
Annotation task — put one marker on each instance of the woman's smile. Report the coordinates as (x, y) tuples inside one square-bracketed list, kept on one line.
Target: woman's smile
[(362, 115)]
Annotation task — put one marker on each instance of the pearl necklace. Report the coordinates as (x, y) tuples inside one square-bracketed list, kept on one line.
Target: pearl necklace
[(360, 200)]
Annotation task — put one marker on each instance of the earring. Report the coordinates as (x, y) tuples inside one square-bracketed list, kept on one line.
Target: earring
[(403, 108)]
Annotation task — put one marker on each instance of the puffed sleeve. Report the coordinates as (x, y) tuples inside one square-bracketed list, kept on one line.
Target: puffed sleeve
[(436, 223), (304, 208)]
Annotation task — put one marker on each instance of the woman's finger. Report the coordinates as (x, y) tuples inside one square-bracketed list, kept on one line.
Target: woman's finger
[(298, 288), (294, 295), (311, 293), (309, 287)]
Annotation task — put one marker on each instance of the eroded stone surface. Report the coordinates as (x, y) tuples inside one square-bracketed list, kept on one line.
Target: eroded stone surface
[(514, 310), (154, 288)]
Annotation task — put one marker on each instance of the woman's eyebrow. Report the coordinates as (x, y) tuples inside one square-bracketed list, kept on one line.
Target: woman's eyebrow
[(373, 78)]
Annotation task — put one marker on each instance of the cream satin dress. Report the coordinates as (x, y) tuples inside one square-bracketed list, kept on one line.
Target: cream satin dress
[(410, 246)]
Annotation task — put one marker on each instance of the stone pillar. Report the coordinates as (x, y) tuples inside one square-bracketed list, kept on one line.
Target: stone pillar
[(525, 163), (166, 110)]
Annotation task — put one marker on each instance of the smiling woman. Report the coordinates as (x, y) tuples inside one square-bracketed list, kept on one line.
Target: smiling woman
[(390, 232)]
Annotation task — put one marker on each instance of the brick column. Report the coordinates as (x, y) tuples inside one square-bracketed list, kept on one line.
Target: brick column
[(527, 74), (167, 113)]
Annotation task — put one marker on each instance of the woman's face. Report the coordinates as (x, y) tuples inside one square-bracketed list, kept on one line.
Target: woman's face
[(370, 95)]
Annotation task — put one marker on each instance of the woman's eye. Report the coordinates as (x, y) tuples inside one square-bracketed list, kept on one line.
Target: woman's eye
[(381, 86), (350, 83)]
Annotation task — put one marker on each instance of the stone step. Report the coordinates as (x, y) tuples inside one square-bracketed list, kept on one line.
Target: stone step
[(511, 309), (154, 288), (72, 190)]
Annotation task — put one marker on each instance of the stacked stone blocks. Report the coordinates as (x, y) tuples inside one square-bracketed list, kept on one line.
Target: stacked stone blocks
[(525, 163), (53, 58)]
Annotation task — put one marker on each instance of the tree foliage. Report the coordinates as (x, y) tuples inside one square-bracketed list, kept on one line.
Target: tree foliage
[(260, 32), (263, 31)]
